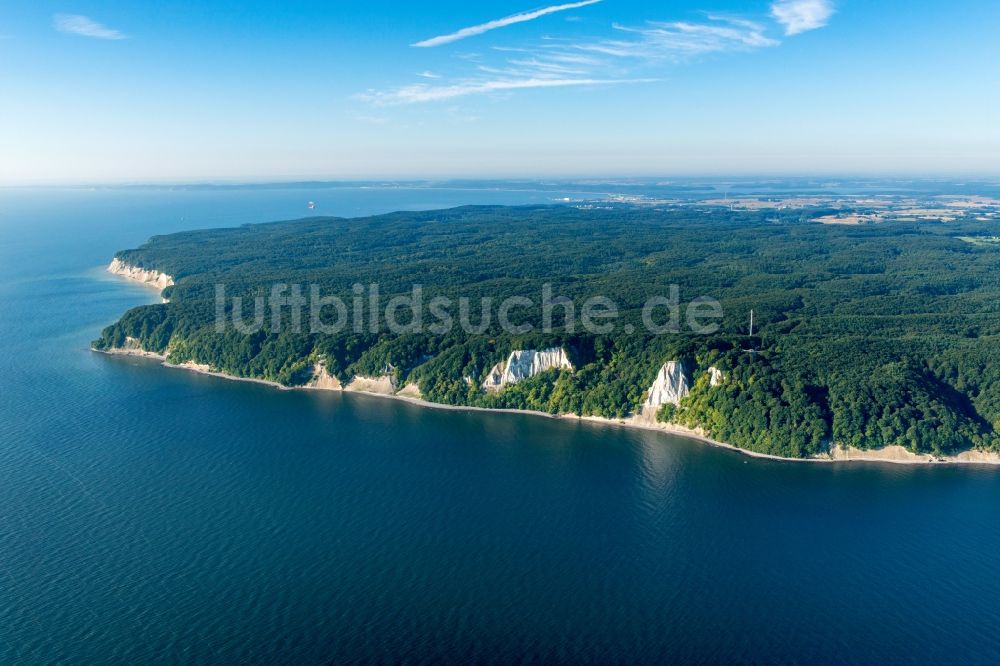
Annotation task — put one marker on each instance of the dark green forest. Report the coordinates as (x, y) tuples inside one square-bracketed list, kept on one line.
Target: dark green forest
[(868, 335)]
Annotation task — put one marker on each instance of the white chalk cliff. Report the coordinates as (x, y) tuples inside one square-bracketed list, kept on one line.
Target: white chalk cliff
[(150, 277), (381, 384), (525, 363), (716, 376), (322, 379), (671, 386)]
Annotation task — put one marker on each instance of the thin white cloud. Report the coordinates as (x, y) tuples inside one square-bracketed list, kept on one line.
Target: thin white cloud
[(802, 15), (420, 92), (74, 24), (680, 40), (501, 23), (561, 63), (548, 67), (428, 75), (570, 58)]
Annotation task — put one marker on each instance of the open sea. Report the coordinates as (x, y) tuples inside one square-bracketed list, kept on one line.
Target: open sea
[(150, 515)]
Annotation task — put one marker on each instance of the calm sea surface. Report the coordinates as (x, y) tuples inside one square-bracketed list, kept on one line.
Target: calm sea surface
[(150, 515)]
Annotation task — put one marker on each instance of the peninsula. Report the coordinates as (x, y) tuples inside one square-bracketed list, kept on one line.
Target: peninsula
[(873, 341)]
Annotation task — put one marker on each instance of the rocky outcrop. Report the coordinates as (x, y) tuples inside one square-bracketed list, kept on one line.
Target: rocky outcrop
[(671, 386), (132, 344), (383, 384), (715, 377), (411, 390), (525, 363), (322, 380), (152, 278), (133, 347), (494, 380)]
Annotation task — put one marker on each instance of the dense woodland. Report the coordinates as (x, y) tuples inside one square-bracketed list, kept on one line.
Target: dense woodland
[(868, 335)]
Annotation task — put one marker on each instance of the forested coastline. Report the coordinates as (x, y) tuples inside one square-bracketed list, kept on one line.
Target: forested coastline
[(868, 336)]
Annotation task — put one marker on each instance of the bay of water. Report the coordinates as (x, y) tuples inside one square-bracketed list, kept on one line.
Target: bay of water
[(158, 516)]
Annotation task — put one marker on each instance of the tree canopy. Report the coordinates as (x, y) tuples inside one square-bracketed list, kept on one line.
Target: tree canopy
[(866, 335)]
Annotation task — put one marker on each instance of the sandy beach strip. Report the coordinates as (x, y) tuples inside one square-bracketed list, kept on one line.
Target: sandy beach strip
[(896, 455)]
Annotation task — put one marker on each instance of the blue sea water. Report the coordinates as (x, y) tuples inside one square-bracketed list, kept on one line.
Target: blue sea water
[(157, 516)]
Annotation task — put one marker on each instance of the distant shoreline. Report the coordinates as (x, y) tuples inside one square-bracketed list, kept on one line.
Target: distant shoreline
[(899, 455)]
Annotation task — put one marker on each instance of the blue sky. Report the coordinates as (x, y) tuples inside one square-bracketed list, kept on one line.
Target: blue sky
[(122, 91)]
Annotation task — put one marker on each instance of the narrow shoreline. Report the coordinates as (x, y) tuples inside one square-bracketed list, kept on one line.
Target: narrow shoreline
[(632, 423)]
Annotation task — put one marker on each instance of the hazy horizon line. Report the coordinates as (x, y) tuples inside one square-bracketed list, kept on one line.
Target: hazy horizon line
[(644, 179)]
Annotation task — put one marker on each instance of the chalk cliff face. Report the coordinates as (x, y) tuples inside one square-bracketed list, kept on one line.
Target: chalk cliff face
[(131, 344), (411, 390), (716, 376), (671, 386), (322, 379), (382, 384), (152, 278), (133, 347), (525, 363)]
